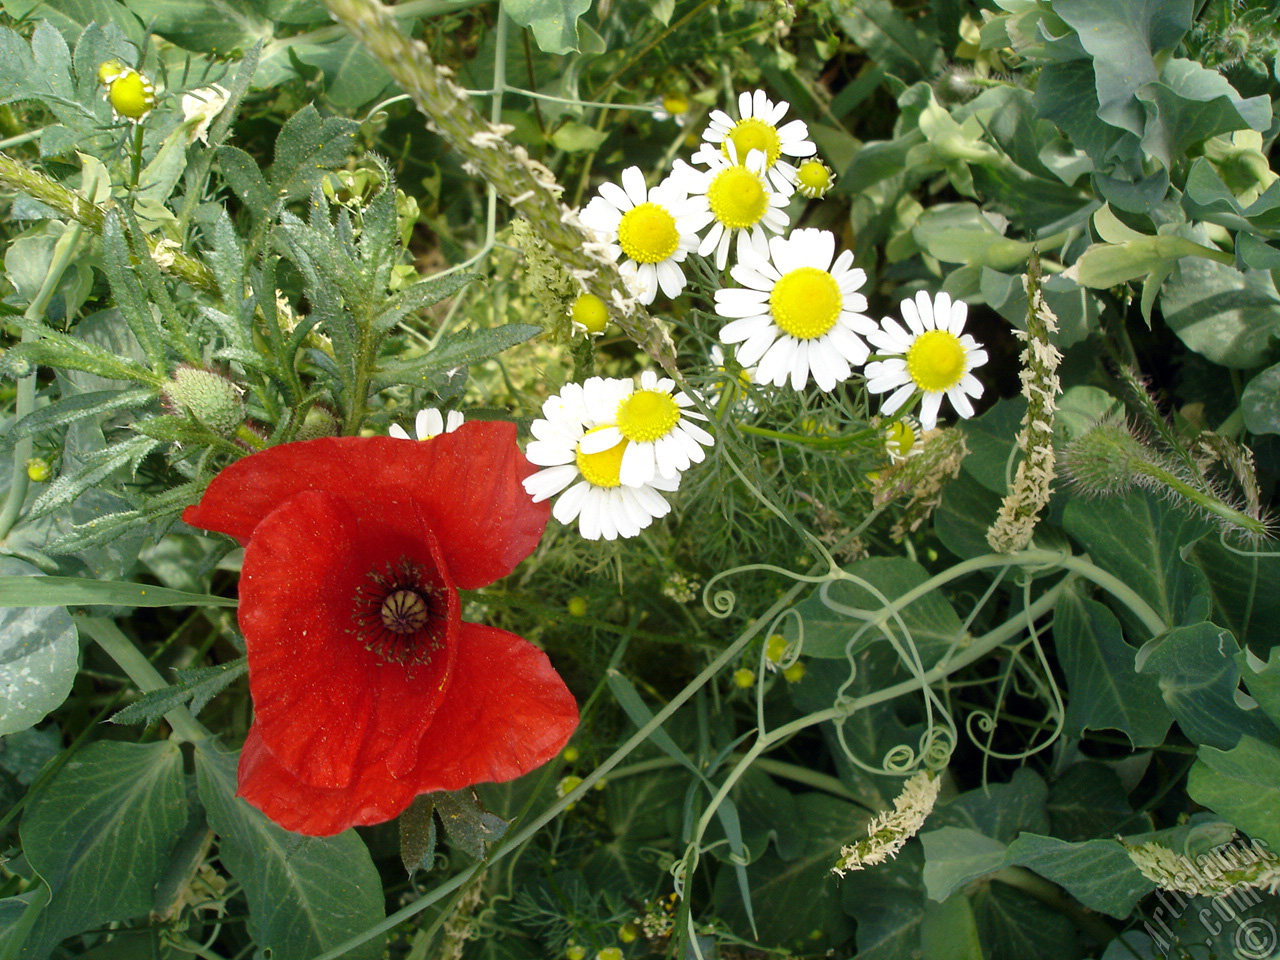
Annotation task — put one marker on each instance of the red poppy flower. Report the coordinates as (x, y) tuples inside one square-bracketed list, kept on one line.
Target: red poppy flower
[(368, 688)]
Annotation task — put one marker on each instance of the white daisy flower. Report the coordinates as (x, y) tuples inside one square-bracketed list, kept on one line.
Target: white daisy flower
[(799, 313), (658, 429), (933, 356), (650, 227), (673, 106), (735, 198), (903, 439), (599, 501), (757, 129), (429, 423)]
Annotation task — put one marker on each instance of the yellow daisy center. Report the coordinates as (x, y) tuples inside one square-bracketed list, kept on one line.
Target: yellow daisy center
[(601, 469), (675, 104), (132, 95), (806, 302), (937, 360), (647, 415), (815, 176), (737, 197), (589, 310), (648, 233), (755, 134)]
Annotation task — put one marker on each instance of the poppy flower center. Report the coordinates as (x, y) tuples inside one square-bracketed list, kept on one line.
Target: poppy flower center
[(937, 360), (755, 134), (401, 614), (648, 234)]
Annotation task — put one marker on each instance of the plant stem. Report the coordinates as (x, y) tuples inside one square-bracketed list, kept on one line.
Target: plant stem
[(63, 251), (120, 649), (75, 207)]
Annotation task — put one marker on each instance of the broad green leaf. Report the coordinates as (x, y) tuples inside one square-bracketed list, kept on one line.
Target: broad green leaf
[(954, 855), (1191, 103), (72, 16), (244, 177), (467, 824), (637, 813), (18, 591), (352, 75), (575, 137), (951, 930), (889, 904), (1199, 677), (1260, 402), (1104, 689), (418, 835), (1066, 94), (1098, 873), (1088, 801), (1015, 926), (800, 893), (959, 233), (39, 653), (99, 833), (1244, 600), (1241, 784), (306, 894), (1227, 316), (1262, 677), (1137, 538), (998, 810), (905, 48), (966, 513), (554, 22), (1123, 39), (220, 27), (838, 610)]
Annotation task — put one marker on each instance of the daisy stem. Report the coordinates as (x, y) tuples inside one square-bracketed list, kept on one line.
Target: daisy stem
[(848, 440), (135, 157), (139, 669)]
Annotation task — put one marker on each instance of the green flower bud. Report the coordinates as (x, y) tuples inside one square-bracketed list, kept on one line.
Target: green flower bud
[(319, 422), (209, 397), (38, 470)]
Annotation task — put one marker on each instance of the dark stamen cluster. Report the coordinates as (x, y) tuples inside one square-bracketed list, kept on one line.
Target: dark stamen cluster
[(401, 614)]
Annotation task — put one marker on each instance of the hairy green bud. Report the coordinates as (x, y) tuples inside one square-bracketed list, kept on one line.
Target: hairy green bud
[(208, 397)]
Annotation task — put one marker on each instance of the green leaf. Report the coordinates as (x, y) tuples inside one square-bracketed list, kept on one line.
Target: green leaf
[(352, 75), (554, 22), (1262, 677), (1199, 677), (1066, 94), (1230, 317), (306, 894), (1088, 801), (419, 296), (959, 233), (954, 855), (1260, 402), (966, 513), (907, 49), (1104, 690), (1105, 265), (468, 825), (951, 930), (244, 177), (20, 591), (836, 611), (890, 905), (1137, 538), (308, 148), (220, 27), (418, 835), (800, 893), (576, 137), (97, 466), (75, 407), (1014, 926), (1123, 39), (1241, 784), (1098, 873), (135, 306), (99, 833), (39, 652), (196, 687), (1192, 103), (999, 810), (1243, 600), (454, 352)]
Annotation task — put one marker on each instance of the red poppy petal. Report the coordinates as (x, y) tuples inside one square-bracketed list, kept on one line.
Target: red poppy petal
[(507, 713), (372, 797), (324, 704), (467, 482)]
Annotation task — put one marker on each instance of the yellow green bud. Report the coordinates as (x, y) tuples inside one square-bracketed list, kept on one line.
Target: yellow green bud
[(209, 397), (794, 673), (814, 178), (38, 470), (577, 607), (744, 678), (130, 94), (629, 932), (775, 647), (570, 754), (575, 952), (590, 312)]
